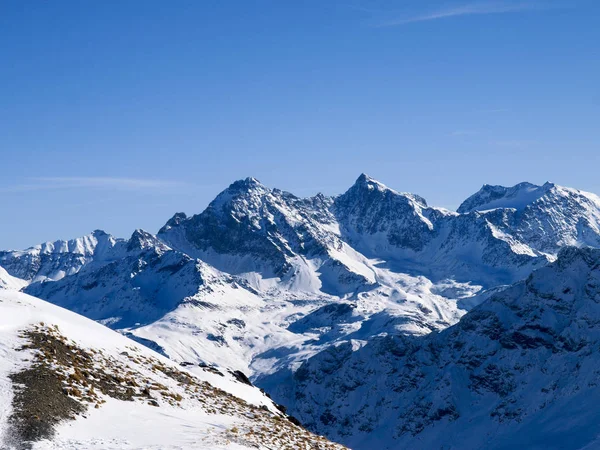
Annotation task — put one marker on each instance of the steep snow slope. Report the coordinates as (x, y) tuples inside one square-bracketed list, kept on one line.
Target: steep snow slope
[(256, 332), (519, 371), (7, 281), (69, 383)]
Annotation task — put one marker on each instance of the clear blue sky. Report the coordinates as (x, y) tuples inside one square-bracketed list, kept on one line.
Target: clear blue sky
[(116, 114)]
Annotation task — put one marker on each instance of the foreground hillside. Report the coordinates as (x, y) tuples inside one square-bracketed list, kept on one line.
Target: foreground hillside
[(69, 383)]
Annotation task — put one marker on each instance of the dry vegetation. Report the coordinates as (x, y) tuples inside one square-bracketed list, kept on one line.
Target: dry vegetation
[(64, 380)]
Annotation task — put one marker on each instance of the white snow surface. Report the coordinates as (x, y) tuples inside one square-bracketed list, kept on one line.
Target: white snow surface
[(140, 427), (7, 281)]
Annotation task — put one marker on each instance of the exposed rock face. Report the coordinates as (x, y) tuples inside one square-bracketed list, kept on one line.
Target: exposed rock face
[(250, 221)]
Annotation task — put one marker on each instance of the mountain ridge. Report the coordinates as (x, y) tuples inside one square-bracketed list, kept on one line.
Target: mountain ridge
[(265, 282)]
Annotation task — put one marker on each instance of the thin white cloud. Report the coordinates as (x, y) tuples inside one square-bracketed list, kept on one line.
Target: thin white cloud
[(109, 183), (469, 9), (460, 133), (516, 143), (493, 111)]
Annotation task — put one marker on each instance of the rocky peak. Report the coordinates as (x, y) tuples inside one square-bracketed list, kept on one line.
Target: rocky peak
[(247, 185), (173, 222), (367, 187), (141, 240)]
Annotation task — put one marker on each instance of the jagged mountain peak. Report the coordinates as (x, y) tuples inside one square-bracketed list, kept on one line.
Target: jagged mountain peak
[(365, 183), (241, 197), (365, 180), (84, 245), (248, 184), (244, 187)]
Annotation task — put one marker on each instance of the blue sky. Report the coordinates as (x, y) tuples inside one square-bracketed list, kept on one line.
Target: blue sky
[(116, 114)]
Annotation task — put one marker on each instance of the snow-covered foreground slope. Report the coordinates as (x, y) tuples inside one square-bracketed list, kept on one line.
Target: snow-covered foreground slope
[(69, 383), (519, 371)]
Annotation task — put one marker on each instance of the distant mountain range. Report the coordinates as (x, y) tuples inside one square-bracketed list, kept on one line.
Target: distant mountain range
[(348, 309)]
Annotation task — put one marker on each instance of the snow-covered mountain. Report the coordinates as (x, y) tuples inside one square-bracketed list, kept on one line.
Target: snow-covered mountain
[(227, 285), (140, 282), (250, 228), (412, 236), (262, 281), (546, 217), (519, 371), (55, 260), (69, 383)]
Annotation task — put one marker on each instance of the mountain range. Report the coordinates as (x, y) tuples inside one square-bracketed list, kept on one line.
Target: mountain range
[(376, 319)]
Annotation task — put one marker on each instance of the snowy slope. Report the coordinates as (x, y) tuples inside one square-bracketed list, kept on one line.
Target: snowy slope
[(7, 281), (113, 393), (519, 371)]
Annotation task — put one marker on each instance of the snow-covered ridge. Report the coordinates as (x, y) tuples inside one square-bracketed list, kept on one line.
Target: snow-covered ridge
[(492, 197), (7, 281), (55, 260), (546, 217)]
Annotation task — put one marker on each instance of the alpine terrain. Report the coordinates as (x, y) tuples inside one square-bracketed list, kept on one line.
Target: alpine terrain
[(376, 319)]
